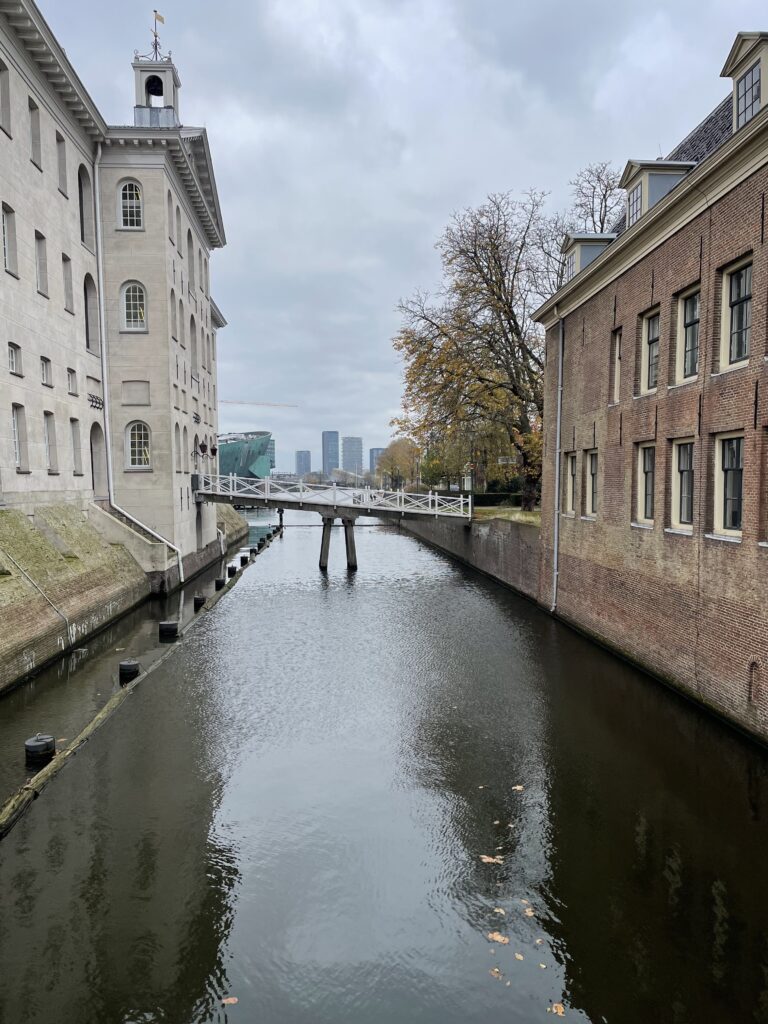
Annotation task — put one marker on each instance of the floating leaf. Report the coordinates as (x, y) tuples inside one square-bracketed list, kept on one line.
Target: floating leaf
[(481, 787), (543, 967), (500, 910), (498, 937), (518, 956), (491, 860), (539, 941), (518, 789), (528, 912), (496, 822), (496, 973), (229, 1000), (524, 902), (558, 1009)]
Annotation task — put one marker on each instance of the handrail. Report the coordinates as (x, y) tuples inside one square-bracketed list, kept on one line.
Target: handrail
[(336, 495)]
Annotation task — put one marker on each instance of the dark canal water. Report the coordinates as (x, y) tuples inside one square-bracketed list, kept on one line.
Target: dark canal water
[(293, 810)]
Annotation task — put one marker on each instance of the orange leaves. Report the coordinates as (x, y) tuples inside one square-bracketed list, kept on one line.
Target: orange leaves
[(498, 937), (229, 1001), (518, 789), (557, 1008), (491, 860)]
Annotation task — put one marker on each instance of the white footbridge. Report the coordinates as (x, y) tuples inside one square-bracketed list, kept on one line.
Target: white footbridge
[(331, 501)]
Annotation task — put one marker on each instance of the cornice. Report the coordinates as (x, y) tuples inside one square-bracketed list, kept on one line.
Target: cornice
[(735, 161)]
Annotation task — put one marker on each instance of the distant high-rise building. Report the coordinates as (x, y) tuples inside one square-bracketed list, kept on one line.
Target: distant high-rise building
[(352, 455), (374, 454), (330, 451), (303, 463), (271, 453)]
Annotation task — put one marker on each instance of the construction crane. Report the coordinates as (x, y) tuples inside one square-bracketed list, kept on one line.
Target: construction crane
[(272, 405)]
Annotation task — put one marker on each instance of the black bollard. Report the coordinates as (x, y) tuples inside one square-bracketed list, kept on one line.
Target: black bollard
[(254, 552), (219, 582), (38, 750), (128, 670), (231, 571), (244, 559), (168, 630), (198, 601)]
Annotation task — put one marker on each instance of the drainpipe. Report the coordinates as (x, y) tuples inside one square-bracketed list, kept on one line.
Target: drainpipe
[(105, 368), (70, 638), (558, 462)]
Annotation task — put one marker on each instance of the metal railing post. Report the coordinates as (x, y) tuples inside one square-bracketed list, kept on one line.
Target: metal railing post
[(231, 483)]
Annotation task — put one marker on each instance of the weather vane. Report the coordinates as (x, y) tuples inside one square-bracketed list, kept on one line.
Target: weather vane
[(156, 53)]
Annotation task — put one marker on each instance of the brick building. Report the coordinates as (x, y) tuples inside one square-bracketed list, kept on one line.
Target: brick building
[(655, 487)]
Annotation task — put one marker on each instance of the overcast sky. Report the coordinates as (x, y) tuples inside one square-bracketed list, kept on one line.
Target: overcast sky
[(344, 133)]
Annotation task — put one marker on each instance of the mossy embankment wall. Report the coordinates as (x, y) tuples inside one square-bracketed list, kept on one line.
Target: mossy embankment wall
[(505, 550), (56, 567)]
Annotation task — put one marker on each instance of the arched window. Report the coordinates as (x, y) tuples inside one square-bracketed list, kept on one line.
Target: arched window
[(130, 205), (210, 356), (170, 215), (190, 259), (133, 303), (205, 278), (195, 453), (193, 343), (5, 99), (182, 341), (200, 268), (177, 448), (85, 199), (138, 446), (173, 313), (185, 450), (91, 314), (178, 230)]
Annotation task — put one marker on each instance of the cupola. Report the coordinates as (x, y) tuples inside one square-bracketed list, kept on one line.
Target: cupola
[(157, 87), (747, 66), (648, 181), (579, 250)]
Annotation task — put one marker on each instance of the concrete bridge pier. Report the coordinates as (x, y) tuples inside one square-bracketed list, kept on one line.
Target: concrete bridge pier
[(349, 539), (325, 542)]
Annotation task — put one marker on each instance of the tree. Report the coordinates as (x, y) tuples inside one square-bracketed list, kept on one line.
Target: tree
[(597, 199), (399, 462)]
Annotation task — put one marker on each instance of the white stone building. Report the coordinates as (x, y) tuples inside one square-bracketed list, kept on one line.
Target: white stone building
[(108, 393)]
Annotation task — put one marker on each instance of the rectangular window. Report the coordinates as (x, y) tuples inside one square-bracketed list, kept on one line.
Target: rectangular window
[(634, 204), (61, 158), (9, 239), (66, 273), (19, 436), (651, 376), (14, 359), (591, 495), (682, 484), (740, 313), (570, 483), (690, 336), (49, 439), (71, 381), (570, 266), (646, 482), (616, 366), (41, 264), (46, 374), (748, 95), (732, 470), (34, 134), (77, 454)]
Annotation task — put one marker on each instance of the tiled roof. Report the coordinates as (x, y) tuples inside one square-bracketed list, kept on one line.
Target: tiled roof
[(714, 130)]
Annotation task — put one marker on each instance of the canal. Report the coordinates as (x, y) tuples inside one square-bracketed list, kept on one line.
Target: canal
[(401, 795)]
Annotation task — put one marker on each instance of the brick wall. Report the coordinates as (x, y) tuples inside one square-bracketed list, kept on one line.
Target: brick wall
[(689, 608)]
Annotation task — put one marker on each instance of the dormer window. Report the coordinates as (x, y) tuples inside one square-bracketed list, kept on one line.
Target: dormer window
[(570, 266), (748, 95), (634, 204)]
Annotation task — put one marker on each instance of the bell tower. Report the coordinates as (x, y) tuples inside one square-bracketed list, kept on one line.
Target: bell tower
[(157, 87)]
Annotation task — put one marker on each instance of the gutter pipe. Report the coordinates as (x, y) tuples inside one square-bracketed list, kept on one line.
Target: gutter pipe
[(105, 368), (558, 462)]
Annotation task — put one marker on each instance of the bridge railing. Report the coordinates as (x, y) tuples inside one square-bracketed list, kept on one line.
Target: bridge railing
[(373, 499)]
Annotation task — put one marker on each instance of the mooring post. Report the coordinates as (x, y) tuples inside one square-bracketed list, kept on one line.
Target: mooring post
[(280, 516), (349, 539), (325, 542)]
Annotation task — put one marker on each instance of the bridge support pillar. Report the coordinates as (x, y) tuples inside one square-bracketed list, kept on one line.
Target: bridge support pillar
[(349, 540), (325, 543)]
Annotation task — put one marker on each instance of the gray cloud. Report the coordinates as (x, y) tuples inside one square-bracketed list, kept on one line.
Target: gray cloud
[(345, 132)]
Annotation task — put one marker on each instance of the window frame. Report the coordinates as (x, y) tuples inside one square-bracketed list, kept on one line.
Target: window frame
[(46, 372), (745, 111), (41, 264), (19, 437), (570, 483), (66, 274), (645, 353), (677, 484), (5, 99), (635, 204), (10, 252), (35, 139), (684, 324), (591, 489), (726, 316), (72, 381), (77, 448), (721, 486), (130, 446), (646, 467), (569, 269), (61, 163), (49, 442), (125, 326), (14, 354), (615, 379), (131, 208)]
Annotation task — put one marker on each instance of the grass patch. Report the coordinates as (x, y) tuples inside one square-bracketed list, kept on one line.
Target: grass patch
[(514, 515)]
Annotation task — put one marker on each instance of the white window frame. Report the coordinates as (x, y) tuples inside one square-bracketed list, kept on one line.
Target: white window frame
[(46, 372), (66, 274), (17, 414), (640, 509), (591, 482), (9, 240), (77, 451), (71, 381), (676, 489), (570, 267), (134, 461), (746, 111), (726, 317), (719, 489), (61, 160), (570, 483), (683, 298), (132, 327), (130, 208), (35, 145), (5, 99), (635, 204), (41, 264), (616, 339), (644, 355), (49, 441), (14, 359)]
